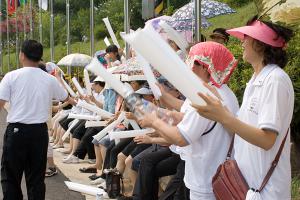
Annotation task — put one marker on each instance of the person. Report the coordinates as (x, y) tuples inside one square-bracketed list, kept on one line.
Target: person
[(266, 111), (112, 56), (29, 91), (51, 167), (200, 142), (219, 35)]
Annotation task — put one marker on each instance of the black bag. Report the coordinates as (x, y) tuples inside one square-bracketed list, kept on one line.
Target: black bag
[(113, 183)]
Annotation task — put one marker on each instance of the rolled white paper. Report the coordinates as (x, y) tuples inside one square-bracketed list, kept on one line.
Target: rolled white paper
[(162, 57), (77, 85), (174, 35), (71, 92), (85, 117), (97, 68), (77, 187), (116, 135), (67, 133), (111, 32), (87, 82), (110, 127), (106, 41), (134, 125), (149, 76), (94, 108), (95, 124)]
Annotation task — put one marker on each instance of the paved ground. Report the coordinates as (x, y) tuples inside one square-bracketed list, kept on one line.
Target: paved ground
[(56, 189)]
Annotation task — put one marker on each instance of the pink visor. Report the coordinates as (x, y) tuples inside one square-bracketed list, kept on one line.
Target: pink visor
[(259, 31)]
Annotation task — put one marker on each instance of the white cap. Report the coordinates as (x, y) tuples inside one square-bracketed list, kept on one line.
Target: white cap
[(144, 91), (99, 79)]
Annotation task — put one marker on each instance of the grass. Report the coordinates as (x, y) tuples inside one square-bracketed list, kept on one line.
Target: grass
[(239, 18), (296, 188)]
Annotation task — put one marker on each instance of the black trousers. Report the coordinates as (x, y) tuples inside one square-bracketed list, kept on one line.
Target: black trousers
[(24, 150), (86, 146), (153, 166), (79, 130), (111, 157), (176, 189)]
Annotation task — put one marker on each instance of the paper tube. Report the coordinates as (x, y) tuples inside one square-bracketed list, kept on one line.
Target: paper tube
[(149, 76), (106, 41), (77, 187), (174, 35), (111, 32), (97, 68), (87, 82), (77, 85), (162, 57), (116, 135), (94, 108), (71, 92), (85, 117), (110, 127), (67, 133), (134, 125), (95, 124)]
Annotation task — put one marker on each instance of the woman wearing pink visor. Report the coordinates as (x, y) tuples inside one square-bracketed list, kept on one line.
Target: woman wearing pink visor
[(265, 115)]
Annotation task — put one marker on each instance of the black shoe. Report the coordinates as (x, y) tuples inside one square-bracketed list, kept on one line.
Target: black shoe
[(122, 197), (94, 177)]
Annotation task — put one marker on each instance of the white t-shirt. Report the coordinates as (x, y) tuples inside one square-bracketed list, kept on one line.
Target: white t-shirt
[(205, 153), (29, 91), (267, 104)]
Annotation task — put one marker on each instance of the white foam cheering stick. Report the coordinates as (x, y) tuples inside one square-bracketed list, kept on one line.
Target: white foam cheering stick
[(111, 32)]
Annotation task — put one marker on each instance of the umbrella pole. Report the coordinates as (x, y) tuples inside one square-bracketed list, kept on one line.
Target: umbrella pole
[(7, 39), (17, 34), (68, 30), (51, 31), (197, 20), (30, 19), (126, 25), (92, 46)]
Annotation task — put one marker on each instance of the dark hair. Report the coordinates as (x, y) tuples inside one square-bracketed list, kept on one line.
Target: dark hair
[(33, 50), (222, 31), (141, 83), (102, 84), (274, 55), (113, 49), (42, 66)]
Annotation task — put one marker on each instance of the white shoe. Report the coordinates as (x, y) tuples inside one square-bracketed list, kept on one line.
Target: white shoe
[(58, 146), (97, 181), (102, 185), (51, 139), (71, 159), (91, 161)]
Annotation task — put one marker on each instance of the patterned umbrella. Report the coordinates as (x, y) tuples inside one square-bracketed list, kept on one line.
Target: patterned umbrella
[(183, 18)]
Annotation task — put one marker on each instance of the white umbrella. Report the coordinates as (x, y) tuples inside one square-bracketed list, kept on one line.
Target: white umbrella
[(75, 59)]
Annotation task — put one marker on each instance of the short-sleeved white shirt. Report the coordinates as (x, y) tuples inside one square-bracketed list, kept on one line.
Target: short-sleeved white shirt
[(204, 153), (30, 91), (267, 104)]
